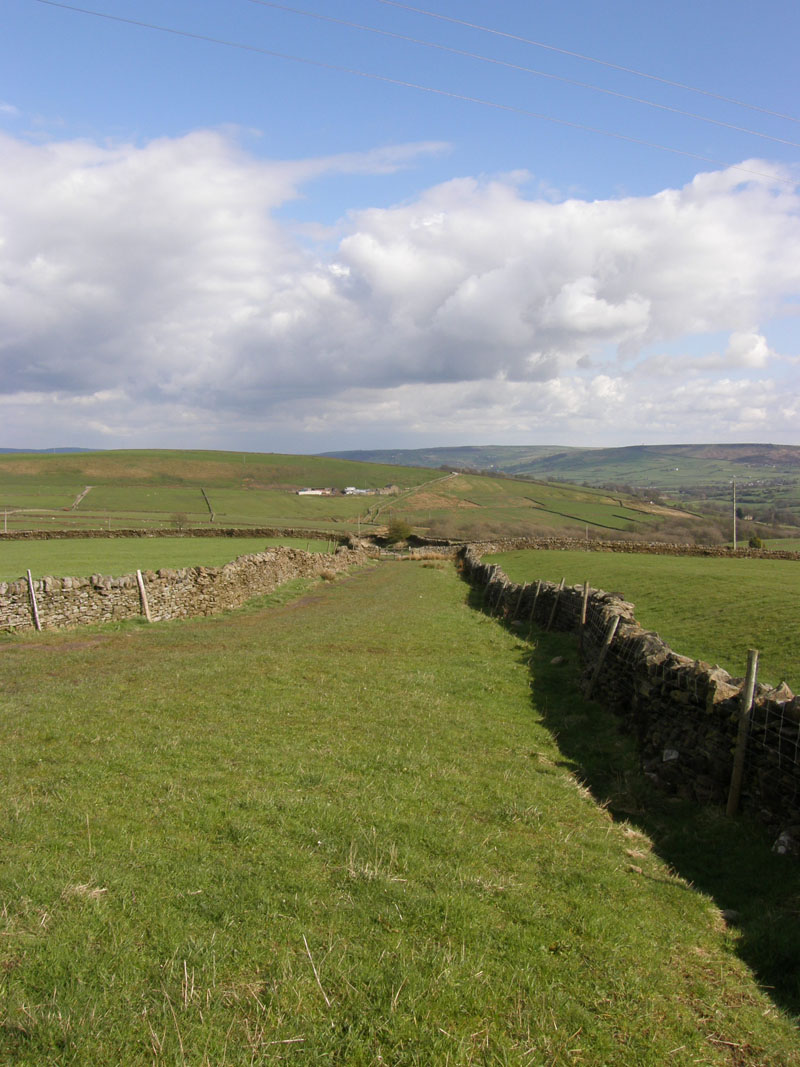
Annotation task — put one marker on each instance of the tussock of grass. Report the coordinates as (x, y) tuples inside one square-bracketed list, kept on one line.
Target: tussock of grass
[(335, 830)]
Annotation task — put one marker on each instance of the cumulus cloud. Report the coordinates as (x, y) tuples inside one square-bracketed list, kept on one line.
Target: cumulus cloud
[(152, 285), (748, 348)]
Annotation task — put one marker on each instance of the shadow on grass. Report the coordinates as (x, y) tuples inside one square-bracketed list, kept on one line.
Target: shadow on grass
[(728, 859)]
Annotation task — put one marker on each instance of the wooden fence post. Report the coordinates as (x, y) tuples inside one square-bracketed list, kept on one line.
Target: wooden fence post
[(535, 598), (584, 604), (745, 707), (519, 600), (487, 593), (208, 504), (34, 608), (491, 595), (143, 596), (500, 597), (612, 629), (559, 591)]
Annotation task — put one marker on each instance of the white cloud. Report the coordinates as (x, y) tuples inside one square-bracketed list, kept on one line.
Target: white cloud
[(747, 348), (160, 274)]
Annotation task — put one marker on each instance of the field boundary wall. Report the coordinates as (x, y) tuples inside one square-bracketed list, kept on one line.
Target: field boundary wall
[(683, 712), (646, 548), (194, 531), (170, 594)]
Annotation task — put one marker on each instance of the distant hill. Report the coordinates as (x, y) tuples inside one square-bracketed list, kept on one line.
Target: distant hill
[(671, 466), (659, 467), (509, 459), (157, 488), (41, 451), (542, 490), (767, 476)]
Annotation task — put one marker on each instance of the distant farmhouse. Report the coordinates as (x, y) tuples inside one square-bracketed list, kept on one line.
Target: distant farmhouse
[(387, 490), (350, 490)]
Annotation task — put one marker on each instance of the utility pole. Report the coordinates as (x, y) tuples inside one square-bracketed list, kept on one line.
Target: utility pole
[(734, 514)]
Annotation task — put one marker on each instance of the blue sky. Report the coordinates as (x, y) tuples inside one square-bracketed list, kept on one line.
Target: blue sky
[(207, 245)]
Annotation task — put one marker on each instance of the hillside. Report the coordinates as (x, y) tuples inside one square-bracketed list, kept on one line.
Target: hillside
[(767, 476), (508, 459), (642, 466), (153, 489), (669, 467)]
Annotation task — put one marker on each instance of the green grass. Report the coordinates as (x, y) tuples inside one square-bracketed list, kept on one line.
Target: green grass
[(474, 506), (96, 555), (152, 499), (336, 830), (730, 859), (707, 608), (140, 489), (699, 476), (282, 508), (192, 469), (34, 494), (146, 489), (764, 473)]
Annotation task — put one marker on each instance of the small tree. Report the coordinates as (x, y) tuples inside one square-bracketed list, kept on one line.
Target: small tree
[(398, 530), (755, 542), (180, 520)]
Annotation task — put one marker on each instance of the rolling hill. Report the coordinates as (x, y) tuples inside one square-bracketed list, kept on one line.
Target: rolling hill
[(767, 476), (156, 489)]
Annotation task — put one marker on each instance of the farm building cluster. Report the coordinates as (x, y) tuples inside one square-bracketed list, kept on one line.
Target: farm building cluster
[(350, 490)]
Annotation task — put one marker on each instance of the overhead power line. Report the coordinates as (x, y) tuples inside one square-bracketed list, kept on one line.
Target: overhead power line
[(526, 70), (448, 93), (588, 59)]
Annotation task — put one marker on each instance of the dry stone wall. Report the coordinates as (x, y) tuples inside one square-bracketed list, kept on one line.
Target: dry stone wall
[(171, 594), (658, 548), (195, 531), (683, 712)]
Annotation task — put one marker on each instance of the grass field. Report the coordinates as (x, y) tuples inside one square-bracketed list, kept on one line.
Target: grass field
[(135, 490), (474, 506), (671, 467), (767, 476), (190, 469), (112, 557), (338, 830), (710, 609), (783, 544), (139, 489)]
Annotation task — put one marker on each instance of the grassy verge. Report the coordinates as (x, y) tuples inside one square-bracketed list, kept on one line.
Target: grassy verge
[(97, 555), (729, 859), (335, 830), (710, 609)]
